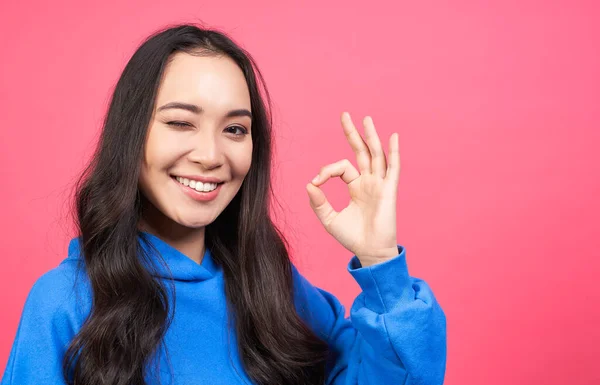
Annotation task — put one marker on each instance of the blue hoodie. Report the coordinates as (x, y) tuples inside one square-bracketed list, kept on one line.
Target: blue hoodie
[(396, 332)]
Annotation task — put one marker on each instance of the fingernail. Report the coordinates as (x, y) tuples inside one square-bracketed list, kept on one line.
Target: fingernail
[(315, 179)]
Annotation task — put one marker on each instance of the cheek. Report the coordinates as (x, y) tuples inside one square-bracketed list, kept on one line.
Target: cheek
[(147, 174), (158, 155), (243, 161), (160, 151)]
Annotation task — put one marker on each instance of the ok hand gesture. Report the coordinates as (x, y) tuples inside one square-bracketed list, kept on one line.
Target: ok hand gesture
[(367, 226)]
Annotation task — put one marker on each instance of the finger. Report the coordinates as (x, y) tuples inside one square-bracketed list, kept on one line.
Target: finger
[(320, 205), (393, 169), (363, 155), (378, 161), (343, 168)]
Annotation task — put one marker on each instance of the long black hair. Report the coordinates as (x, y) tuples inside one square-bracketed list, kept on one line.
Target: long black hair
[(130, 309)]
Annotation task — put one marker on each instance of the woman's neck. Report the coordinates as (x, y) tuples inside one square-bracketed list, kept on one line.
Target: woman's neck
[(188, 241)]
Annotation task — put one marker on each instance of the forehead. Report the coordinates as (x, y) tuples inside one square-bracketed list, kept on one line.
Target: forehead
[(213, 82)]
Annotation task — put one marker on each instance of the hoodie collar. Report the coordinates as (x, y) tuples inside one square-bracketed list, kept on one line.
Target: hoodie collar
[(178, 265)]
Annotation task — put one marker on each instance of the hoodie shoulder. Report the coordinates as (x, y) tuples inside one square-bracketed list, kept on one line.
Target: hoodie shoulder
[(54, 311), (61, 290), (61, 294)]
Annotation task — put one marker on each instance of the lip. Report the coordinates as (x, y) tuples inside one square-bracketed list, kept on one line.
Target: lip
[(199, 178), (199, 196)]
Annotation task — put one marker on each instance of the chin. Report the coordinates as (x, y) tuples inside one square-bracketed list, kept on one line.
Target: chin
[(198, 221)]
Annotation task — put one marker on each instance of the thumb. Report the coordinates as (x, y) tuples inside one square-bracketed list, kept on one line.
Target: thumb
[(320, 204)]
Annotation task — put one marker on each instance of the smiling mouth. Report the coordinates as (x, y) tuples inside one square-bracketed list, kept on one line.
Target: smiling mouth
[(196, 185)]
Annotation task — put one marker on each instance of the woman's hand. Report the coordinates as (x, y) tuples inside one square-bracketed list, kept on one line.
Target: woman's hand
[(367, 226)]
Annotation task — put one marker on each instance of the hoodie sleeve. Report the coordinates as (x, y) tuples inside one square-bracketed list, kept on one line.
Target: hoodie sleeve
[(396, 332), (44, 332)]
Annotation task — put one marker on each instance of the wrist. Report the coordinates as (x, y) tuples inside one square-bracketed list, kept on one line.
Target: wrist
[(381, 257)]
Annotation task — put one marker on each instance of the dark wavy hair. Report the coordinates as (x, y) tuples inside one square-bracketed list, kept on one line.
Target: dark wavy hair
[(130, 309)]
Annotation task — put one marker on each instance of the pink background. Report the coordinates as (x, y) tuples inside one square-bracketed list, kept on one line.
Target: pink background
[(496, 105)]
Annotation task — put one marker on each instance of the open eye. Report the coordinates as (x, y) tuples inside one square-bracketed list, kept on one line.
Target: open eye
[(242, 130)]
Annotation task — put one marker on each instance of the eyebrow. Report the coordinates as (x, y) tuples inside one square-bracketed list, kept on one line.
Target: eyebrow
[(197, 110)]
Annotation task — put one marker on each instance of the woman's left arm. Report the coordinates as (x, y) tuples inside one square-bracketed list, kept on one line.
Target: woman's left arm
[(401, 330), (396, 332)]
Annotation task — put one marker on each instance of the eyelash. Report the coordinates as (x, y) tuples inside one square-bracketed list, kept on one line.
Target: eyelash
[(184, 124)]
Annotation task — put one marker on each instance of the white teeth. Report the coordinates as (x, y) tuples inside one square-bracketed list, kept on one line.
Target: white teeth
[(198, 186), (205, 187)]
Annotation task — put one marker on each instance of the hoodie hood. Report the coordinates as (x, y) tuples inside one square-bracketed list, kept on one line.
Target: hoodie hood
[(176, 265)]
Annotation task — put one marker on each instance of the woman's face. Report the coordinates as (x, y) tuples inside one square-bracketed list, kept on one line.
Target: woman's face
[(200, 131)]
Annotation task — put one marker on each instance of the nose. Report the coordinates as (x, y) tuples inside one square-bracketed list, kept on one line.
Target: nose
[(207, 150)]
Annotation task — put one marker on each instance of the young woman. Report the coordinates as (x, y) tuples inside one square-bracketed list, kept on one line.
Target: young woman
[(179, 276)]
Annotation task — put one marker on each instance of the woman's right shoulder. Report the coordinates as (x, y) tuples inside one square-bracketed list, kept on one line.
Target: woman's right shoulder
[(55, 309), (62, 291)]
